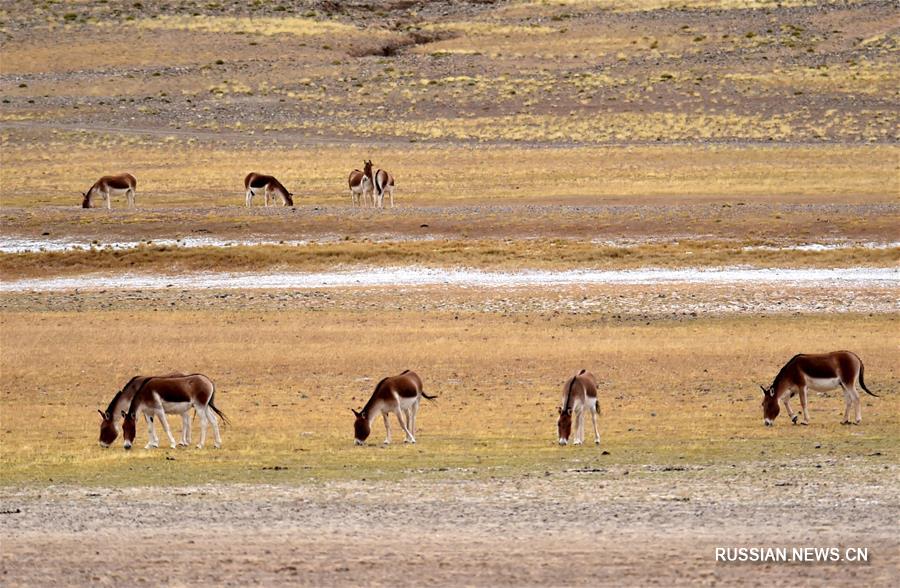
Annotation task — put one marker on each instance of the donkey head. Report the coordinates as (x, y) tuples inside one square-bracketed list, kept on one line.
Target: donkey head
[(367, 168), (86, 201), (128, 428), (770, 405), (289, 198), (564, 425), (108, 432), (361, 429)]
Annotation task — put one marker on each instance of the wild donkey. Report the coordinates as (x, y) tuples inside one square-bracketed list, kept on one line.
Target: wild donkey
[(821, 372), (579, 392), (361, 184), (384, 182), (109, 428), (174, 395), (397, 394), (109, 185), (255, 183)]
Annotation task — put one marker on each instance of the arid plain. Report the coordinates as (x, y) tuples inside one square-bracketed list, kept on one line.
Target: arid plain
[(678, 196)]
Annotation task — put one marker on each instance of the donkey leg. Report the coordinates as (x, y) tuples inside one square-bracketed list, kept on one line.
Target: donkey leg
[(387, 429), (596, 429), (165, 425), (203, 426), (787, 406), (411, 419), (848, 405), (804, 406), (579, 427), (410, 438), (185, 429), (858, 401), (108, 200), (130, 196), (248, 199), (153, 440), (211, 415)]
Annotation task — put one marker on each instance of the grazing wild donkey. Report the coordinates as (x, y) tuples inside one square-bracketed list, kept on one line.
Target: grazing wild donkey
[(109, 427), (111, 185), (173, 395), (820, 372), (397, 394), (255, 183), (361, 184), (579, 392), (384, 182)]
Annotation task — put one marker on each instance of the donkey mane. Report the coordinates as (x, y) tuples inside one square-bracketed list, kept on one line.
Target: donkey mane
[(569, 393), (115, 399), (368, 405), (783, 370), (279, 185)]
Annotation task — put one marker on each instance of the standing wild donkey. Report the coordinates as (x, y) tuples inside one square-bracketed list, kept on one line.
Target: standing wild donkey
[(361, 185), (174, 395), (109, 429), (384, 182), (579, 392), (820, 372), (397, 394), (111, 185)]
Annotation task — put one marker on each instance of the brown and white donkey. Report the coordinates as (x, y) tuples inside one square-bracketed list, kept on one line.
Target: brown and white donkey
[(395, 394), (107, 186), (255, 183), (820, 372), (579, 393), (109, 425), (173, 395)]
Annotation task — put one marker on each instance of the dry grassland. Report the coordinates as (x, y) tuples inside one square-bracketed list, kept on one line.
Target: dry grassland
[(671, 392), (178, 171)]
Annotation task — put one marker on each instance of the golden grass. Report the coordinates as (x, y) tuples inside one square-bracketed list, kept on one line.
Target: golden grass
[(671, 392), (177, 171), (649, 5), (487, 254), (303, 27)]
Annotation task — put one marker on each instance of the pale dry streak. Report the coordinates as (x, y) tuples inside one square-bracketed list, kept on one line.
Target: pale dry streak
[(464, 277)]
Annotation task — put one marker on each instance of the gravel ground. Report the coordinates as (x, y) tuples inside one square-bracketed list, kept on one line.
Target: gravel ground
[(653, 525), (607, 301)]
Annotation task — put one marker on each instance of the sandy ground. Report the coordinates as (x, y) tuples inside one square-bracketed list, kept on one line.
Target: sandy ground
[(650, 525)]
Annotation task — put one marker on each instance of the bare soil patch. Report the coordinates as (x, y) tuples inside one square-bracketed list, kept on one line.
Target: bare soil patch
[(599, 526)]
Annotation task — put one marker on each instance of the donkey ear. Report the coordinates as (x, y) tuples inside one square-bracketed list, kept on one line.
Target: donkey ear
[(102, 414), (569, 411), (356, 413), (763, 389), (559, 410), (123, 414)]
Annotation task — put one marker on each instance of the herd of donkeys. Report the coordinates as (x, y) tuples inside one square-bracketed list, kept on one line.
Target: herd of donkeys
[(368, 187), (176, 393)]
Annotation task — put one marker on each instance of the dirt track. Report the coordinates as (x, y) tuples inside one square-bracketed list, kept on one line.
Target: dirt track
[(598, 527)]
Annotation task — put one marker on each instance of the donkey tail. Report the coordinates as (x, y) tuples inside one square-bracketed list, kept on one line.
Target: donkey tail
[(426, 396), (862, 382), (216, 408)]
